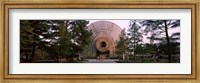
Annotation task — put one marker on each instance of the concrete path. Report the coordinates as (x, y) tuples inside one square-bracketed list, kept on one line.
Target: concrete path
[(101, 61)]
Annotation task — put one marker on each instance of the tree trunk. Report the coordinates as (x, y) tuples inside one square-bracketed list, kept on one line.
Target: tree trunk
[(123, 57), (42, 52), (26, 57), (168, 42), (142, 58), (134, 48), (134, 54), (33, 53)]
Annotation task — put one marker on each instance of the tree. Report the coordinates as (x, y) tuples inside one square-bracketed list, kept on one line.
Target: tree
[(64, 39), (68, 37), (139, 49), (58, 38), (25, 40), (160, 27), (30, 35), (135, 36), (81, 37), (121, 47)]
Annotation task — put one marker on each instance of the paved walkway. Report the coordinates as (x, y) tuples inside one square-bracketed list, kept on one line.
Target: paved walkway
[(101, 61)]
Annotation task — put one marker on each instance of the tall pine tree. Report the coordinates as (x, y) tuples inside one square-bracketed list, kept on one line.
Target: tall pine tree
[(161, 27)]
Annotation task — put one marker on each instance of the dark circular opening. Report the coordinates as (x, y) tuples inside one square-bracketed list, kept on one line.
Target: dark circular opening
[(103, 44)]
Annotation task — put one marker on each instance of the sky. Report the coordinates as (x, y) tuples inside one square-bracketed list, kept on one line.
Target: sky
[(121, 23), (125, 24)]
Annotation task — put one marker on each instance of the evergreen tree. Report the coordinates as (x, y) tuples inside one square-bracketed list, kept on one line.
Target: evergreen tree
[(158, 28), (26, 39), (135, 36), (121, 47), (80, 35), (31, 32), (59, 38)]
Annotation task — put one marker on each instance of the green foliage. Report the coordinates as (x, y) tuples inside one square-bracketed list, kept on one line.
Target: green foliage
[(135, 37), (26, 39), (30, 33), (121, 47), (80, 35), (156, 28), (135, 33), (150, 49), (139, 49), (57, 38), (64, 40)]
